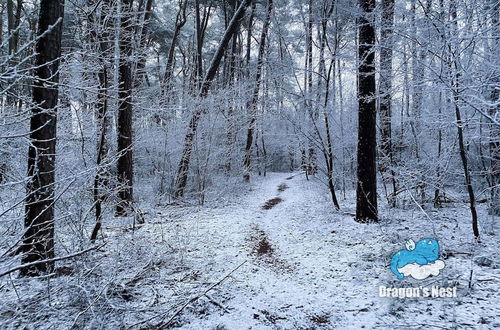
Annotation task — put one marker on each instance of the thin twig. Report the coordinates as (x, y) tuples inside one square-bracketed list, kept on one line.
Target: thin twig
[(50, 260), (195, 298)]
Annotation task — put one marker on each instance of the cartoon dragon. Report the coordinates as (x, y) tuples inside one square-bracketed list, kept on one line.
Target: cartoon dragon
[(425, 252)]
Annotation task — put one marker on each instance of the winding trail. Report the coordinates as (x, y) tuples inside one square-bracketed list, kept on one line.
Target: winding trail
[(300, 278), (307, 266)]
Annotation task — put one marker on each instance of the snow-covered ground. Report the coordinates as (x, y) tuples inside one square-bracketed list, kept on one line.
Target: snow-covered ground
[(295, 264)]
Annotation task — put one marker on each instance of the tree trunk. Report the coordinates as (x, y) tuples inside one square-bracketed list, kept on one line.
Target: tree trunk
[(494, 129), (311, 108), (437, 190), (10, 24), (102, 173), (252, 105), (230, 134), (249, 37), (199, 45), (454, 51), (125, 148), (328, 151), (385, 90), (13, 21), (38, 239), (2, 8), (366, 192), (183, 168)]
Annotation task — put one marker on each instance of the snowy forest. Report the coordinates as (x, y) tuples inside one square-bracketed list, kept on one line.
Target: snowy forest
[(249, 164)]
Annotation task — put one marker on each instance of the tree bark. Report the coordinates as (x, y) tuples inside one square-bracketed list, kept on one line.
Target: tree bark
[(366, 192), (125, 138), (38, 239)]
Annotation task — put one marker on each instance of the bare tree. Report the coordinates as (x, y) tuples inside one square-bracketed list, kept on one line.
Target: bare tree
[(366, 191), (385, 90), (104, 50), (252, 105), (38, 239), (180, 21), (454, 63), (183, 168), (125, 143)]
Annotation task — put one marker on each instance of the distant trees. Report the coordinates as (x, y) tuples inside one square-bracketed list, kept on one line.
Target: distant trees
[(366, 191), (38, 238), (180, 21), (183, 168), (252, 104)]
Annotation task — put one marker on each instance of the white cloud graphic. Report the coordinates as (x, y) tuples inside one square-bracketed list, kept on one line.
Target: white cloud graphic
[(421, 272)]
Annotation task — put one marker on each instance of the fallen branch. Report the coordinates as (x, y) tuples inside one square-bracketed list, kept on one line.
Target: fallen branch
[(50, 260), (195, 298)]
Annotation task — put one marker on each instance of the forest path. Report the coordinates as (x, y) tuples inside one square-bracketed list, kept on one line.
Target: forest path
[(307, 266), (298, 255), (294, 264)]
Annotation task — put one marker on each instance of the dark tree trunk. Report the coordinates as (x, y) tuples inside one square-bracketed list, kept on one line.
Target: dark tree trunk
[(125, 148), (17, 22), (329, 151), (199, 45), (437, 190), (252, 105), (366, 192), (463, 157), (463, 152), (10, 24), (38, 239), (183, 168)]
